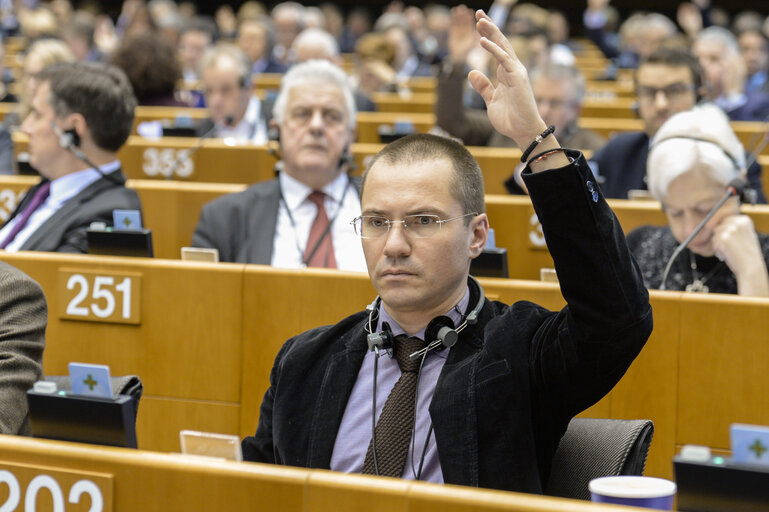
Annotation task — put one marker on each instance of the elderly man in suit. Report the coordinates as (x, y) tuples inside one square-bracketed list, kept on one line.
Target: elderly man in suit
[(23, 315), (81, 114), (301, 218)]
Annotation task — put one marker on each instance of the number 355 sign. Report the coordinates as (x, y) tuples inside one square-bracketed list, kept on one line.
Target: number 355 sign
[(100, 296)]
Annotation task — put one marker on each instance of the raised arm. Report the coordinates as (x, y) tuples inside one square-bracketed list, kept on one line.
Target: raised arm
[(510, 102)]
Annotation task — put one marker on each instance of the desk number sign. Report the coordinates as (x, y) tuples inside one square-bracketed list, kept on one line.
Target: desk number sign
[(100, 296)]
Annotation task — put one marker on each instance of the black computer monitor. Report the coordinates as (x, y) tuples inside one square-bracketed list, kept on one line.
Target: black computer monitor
[(490, 263), (83, 419), (719, 485)]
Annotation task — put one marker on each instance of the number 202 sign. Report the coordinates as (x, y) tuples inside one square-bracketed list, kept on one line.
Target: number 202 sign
[(100, 296)]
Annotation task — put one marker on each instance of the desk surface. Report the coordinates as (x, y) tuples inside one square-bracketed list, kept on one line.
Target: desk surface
[(130, 480)]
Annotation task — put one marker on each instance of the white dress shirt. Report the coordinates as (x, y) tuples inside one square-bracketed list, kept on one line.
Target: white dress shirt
[(251, 128), (342, 204), (62, 190)]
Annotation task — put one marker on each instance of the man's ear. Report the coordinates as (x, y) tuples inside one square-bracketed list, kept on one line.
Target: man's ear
[(479, 233)]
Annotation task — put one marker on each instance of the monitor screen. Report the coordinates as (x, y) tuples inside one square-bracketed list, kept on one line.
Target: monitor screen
[(719, 485)]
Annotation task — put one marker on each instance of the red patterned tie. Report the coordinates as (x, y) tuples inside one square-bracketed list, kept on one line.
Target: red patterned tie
[(319, 251), (396, 422)]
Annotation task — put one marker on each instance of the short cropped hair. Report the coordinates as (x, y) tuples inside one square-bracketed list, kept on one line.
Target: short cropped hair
[(315, 72), (101, 93), (677, 58), (466, 185), (223, 52), (700, 139)]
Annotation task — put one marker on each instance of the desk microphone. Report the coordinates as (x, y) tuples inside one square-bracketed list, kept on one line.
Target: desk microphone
[(186, 155), (733, 188)]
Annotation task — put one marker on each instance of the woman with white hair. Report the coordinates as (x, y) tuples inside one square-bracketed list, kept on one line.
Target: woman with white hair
[(693, 157)]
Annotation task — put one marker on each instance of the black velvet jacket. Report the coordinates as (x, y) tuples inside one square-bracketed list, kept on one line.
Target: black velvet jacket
[(512, 382)]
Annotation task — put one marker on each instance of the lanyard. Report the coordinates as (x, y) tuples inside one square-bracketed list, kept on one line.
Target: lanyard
[(325, 232)]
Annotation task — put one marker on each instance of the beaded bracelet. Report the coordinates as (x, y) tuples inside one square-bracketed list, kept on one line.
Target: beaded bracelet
[(539, 138), (545, 154)]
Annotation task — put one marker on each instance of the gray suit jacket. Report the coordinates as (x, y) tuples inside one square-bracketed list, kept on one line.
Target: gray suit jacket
[(65, 230), (23, 315), (242, 225)]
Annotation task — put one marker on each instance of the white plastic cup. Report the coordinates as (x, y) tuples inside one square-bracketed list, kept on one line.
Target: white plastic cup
[(635, 491)]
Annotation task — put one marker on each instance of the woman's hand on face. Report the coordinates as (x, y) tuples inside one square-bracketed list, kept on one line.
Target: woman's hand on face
[(736, 243)]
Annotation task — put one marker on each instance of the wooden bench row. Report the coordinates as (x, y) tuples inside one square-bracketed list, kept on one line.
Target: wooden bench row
[(204, 337)]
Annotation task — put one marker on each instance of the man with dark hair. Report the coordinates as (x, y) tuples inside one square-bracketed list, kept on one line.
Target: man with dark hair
[(667, 82), (490, 410), (196, 37), (23, 314), (81, 114), (256, 37)]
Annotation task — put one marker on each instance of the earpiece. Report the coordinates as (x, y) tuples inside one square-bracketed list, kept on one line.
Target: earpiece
[(68, 138), (442, 329), (346, 159), (273, 134)]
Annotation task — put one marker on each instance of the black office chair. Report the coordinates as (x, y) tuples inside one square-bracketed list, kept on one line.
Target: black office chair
[(592, 448), (130, 385)]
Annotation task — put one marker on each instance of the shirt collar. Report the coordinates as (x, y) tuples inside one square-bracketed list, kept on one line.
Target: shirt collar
[(295, 192), (456, 314), (67, 186)]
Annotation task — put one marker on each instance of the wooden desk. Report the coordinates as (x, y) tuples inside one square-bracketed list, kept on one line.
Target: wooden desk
[(209, 334), (130, 480), (186, 346)]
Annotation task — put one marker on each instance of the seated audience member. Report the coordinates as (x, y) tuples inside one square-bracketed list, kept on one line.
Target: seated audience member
[(284, 222), (667, 82), (407, 62), (489, 411), (357, 24), (39, 55), (23, 315), (289, 21), (196, 37), (256, 37), (79, 35), (719, 55), (235, 110), (315, 43), (150, 63), (754, 46), (693, 158), (558, 89), (81, 114)]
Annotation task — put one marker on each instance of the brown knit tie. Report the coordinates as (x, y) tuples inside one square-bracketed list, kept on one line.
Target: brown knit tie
[(320, 236), (393, 430)]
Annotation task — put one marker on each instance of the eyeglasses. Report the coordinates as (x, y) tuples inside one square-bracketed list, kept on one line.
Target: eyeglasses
[(672, 92), (301, 116), (420, 226)]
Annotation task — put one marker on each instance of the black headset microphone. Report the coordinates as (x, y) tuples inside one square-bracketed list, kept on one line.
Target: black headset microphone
[(186, 155), (441, 332), (70, 140), (734, 188)]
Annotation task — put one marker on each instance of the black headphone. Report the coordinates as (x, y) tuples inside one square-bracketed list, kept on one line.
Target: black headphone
[(439, 334), (68, 139)]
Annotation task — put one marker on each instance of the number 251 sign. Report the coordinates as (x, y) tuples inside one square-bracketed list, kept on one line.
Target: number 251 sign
[(100, 296)]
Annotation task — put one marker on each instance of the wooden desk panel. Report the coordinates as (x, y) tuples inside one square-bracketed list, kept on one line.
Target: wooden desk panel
[(187, 347), (723, 371)]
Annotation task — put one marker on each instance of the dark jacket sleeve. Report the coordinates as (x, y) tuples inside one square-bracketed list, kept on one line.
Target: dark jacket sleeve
[(608, 318), (470, 125)]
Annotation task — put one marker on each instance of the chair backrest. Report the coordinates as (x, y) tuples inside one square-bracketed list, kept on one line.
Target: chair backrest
[(592, 448), (130, 385)]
